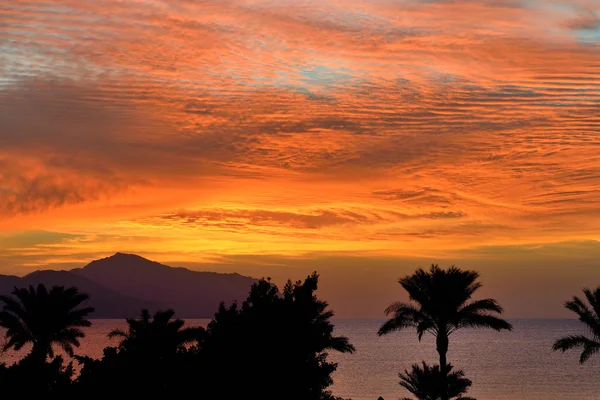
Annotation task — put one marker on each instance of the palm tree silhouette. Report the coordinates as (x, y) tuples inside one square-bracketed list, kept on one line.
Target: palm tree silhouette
[(441, 304), (427, 382), (44, 318), (589, 317), (159, 335)]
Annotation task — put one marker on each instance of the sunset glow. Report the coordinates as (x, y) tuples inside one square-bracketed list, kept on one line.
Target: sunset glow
[(265, 131)]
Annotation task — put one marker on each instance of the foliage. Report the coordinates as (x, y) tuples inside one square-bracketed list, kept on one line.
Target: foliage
[(274, 346), (152, 358), (157, 337), (427, 382), (441, 303), (589, 315), (29, 378), (44, 318)]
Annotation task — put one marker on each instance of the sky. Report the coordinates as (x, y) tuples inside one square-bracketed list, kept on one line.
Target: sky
[(361, 139)]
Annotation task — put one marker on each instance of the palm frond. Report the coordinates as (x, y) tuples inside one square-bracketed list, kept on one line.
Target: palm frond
[(570, 342), (14, 306), (441, 303), (586, 316), (44, 317), (430, 382), (590, 318), (590, 346), (341, 344), (406, 315), (118, 333), (589, 350), (395, 324), (484, 321), (67, 347), (593, 297), (477, 306)]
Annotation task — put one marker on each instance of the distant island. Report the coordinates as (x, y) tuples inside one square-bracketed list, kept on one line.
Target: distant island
[(120, 285)]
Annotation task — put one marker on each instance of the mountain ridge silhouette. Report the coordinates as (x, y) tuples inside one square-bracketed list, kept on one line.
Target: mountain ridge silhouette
[(122, 284)]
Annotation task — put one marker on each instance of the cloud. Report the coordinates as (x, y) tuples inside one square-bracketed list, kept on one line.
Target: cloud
[(305, 125), (36, 195), (586, 17), (316, 220), (306, 227), (26, 189), (425, 195), (24, 239)]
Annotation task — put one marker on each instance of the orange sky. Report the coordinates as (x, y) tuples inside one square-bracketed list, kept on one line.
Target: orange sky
[(359, 138)]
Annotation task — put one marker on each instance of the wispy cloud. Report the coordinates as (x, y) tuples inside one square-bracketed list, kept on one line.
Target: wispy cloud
[(383, 126)]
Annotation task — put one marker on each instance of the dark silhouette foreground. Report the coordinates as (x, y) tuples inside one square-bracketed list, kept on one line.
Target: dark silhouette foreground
[(153, 357), (42, 318), (589, 315), (441, 303), (272, 346), (430, 383)]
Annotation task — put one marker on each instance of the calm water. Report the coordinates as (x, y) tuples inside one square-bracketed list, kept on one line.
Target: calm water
[(516, 365)]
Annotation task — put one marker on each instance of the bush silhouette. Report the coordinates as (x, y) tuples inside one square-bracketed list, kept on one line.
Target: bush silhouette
[(429, 382), (273, 346), (30, 379)]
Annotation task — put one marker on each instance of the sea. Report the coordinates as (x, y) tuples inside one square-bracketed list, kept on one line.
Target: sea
[(517, 365)]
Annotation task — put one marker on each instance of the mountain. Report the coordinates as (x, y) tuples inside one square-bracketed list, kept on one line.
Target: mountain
[(121, 285), (107, 302), (192, 294)]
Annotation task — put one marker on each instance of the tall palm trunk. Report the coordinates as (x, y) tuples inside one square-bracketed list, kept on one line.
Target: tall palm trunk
[(442, 349)]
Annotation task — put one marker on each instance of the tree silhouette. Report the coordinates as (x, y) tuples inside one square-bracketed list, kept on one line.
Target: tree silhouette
[(151, 359), (441, 304), (158, 336), (590, 317), (428, 383), (274, 346), (44, 318)]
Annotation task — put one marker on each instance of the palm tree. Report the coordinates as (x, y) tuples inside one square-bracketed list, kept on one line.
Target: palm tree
[(44, 318), (589, 317), (441, 304), (160, 335), (427, 382)]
